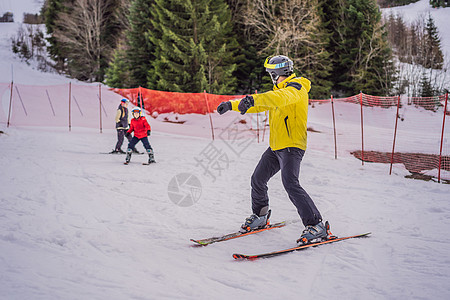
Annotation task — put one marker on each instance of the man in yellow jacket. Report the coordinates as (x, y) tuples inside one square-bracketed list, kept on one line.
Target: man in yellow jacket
[(288, 111)]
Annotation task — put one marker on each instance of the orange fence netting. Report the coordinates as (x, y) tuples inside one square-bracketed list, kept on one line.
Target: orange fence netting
[(412, 133)]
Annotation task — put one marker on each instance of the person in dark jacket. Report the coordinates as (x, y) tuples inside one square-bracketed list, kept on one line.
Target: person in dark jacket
[(141, 130), (121, 126)]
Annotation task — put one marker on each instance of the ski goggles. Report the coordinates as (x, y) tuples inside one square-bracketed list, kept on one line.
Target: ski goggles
[(276, 66)]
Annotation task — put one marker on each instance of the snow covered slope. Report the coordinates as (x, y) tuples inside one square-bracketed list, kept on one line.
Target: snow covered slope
[(441, 17), (77, 224)]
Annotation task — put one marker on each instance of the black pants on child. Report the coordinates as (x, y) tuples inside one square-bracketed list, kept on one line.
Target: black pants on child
[(144, 141), (288, 161)]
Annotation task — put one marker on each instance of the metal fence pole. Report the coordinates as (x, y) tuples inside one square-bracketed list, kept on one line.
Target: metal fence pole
[(442, 138), (70, 108), (10, 104), (362, 128), (395, 135), (209, 113), (334, 127)]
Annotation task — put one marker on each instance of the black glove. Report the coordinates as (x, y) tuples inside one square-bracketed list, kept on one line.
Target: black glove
[(127, 134), (149, 132), (224, 107), (245, 104)]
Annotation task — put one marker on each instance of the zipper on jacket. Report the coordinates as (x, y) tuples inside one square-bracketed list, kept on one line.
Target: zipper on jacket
[(287, 128)]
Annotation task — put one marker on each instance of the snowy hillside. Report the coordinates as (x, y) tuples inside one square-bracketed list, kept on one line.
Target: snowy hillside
[(78, 224), (412, 12)]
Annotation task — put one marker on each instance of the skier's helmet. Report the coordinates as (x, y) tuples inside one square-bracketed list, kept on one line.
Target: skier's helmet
[(136, 110), (125, 100), (278, 65)]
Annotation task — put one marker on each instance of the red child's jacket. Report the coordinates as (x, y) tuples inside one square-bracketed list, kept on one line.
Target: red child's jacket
[(140, 127)]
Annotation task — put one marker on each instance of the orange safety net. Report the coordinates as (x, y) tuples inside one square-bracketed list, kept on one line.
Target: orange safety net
[(412, 133), (416, 138), (172, 102)]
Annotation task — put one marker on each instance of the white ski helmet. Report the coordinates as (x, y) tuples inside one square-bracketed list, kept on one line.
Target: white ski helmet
[(136, 109)]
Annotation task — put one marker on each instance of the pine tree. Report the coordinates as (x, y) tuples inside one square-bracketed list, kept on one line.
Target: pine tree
[(195, 46), (249, 64), (50, 11), (132, 65), (425, 86), (141, 51), (433, 57), (363, 58), (319, 69), (118, 73)]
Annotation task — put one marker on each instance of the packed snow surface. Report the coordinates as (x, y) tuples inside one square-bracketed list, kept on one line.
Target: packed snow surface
[(77, 224)]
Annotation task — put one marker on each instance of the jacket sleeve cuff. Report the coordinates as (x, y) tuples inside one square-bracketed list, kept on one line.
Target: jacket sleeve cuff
[(235, 104)]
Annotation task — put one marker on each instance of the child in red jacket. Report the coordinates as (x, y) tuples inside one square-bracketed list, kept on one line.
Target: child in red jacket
[(141, 130)]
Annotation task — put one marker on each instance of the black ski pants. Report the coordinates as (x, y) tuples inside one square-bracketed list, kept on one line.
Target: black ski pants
[(120, 136), (144, 141), (288, 161)]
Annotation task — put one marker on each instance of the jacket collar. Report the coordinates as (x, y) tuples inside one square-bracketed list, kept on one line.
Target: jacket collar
[(283, 83)]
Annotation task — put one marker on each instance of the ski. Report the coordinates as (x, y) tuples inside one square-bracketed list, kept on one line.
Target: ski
[(118, 153), (146, 164), (330, 240), (226, 237)]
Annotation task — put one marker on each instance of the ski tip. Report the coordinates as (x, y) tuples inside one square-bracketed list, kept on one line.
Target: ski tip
[(198, 243), (238, 256)]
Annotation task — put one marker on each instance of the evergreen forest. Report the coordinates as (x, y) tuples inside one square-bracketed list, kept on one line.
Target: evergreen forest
[(342, 46)]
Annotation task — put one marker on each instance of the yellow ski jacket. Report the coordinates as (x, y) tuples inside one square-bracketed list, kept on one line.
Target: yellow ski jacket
[(288, 112)]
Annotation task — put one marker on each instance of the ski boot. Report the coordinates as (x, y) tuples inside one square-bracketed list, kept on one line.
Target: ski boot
[(256, 222), (151, 157), (315, 233), (128, 158)]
